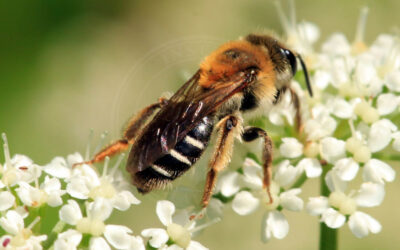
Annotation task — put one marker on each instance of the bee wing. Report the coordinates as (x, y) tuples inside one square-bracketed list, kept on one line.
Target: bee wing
[(184, 110)]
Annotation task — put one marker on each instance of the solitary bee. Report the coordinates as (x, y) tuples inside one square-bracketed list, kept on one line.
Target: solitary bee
[(236, 78)]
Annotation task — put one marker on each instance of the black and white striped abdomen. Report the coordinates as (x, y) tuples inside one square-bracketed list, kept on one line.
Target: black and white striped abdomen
[(178, 160)]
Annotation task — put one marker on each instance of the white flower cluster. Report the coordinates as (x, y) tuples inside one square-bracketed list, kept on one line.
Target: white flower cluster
[(84, 200), (349, 124)]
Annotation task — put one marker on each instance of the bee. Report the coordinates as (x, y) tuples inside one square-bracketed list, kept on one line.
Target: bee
[(236, 78)]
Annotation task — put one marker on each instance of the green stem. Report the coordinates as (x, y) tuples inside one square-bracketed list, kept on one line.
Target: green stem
[(328, 237), (300, 181), (53, 235)]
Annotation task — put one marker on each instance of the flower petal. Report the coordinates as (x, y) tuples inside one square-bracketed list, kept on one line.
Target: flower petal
[(291, 148), (67, 240), (252, 173), (244, 203), (380, 134), (98, 243), (387, 103), (361, 224), (346, 169), (290, 201), (58, 168), (229, 183), (158, 236), (12, 223), (70, 213), (194, 245), (286, 173), (124, 199), (333, 218), (317, 205), (137, 243), (118, 236), (378, 171), (274, 224), (165, 209), (100, 209), (332, 149), (334, 183), (311, 166), (370, 195), (6, 200)]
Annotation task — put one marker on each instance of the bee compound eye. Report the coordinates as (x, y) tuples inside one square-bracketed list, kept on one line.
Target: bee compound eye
[(291, 59)]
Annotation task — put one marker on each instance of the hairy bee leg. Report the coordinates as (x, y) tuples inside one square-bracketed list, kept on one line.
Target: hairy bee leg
[(222, 154), (138, 120), (134, 125), (252, 133), (296, 104)]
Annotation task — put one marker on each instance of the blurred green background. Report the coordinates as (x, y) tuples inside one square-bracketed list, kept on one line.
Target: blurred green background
[(68, 66)]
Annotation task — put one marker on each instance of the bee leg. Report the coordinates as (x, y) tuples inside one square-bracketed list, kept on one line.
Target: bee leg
[(296, 104), (130, 133), (222, 153), (252, 133)]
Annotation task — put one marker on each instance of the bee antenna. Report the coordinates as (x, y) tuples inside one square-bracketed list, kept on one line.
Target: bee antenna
[(303, 65)]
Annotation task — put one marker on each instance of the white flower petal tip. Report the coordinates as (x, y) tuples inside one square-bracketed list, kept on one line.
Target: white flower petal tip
[(228, 184), (118, 236), (291, 148), (346, 169), (370, 195), (312, 167), (6, 200), (70, 213), (361, 224), (332, 149), (158, 236), (244, 203), (290, 201), (286, 173), (380, 134), (378, 171), (58, 168), (165, 209), (333, 218), (275, 225)]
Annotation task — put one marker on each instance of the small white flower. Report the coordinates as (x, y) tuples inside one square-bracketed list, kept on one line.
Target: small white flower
[(49, 192), (380, 134), (178, 228), (274, 223), (20, 169), (97, 212), (334, 209), (19, 236), (85, 182)]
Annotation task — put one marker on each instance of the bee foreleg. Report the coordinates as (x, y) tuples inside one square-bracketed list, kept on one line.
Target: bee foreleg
[(130, 133), (222, 153), (252, 133)]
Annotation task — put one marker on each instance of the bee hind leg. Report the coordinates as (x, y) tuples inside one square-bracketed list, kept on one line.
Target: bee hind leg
[(252, 133), (130, 133), (227, 128)]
